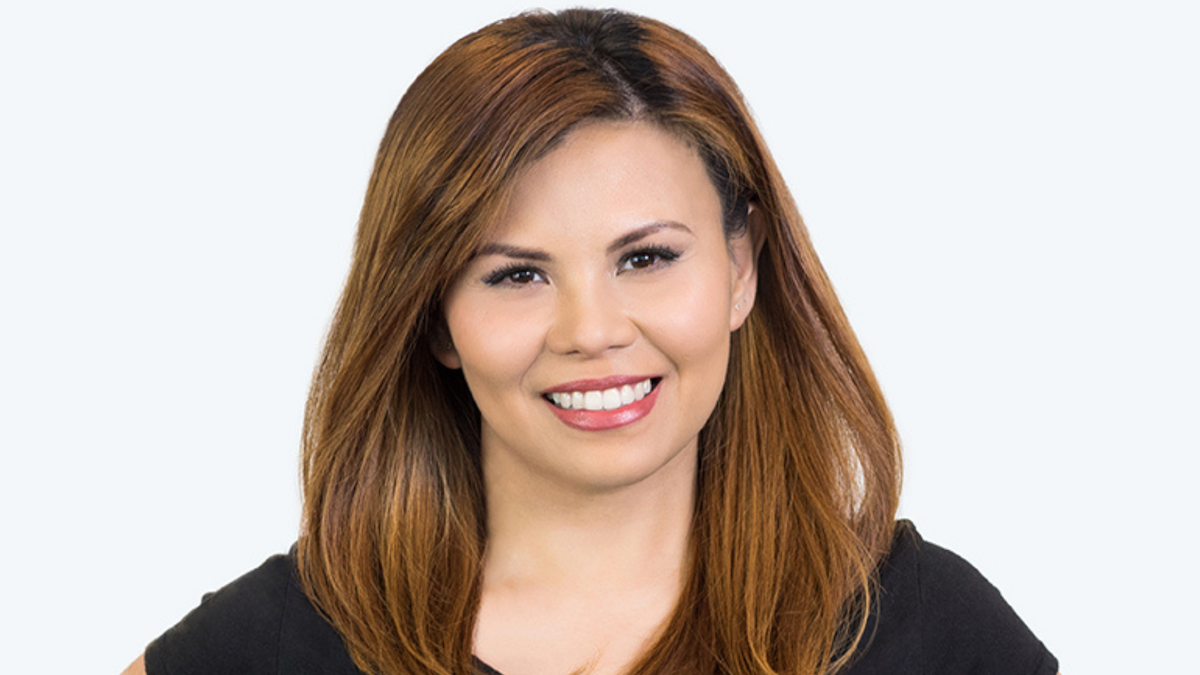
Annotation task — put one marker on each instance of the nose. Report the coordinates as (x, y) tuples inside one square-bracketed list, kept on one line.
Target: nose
[(589, 320)]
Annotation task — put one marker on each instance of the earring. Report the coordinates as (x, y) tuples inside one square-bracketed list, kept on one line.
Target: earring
[(738, 306)]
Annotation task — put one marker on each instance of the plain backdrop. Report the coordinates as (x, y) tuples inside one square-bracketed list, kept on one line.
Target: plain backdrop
[(1005, 195)]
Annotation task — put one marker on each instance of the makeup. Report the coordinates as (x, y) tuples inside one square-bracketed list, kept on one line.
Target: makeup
[(599, 405)]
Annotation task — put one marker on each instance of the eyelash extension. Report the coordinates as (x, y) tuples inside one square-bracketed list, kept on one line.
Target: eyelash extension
[(499, 276), (665, 254)]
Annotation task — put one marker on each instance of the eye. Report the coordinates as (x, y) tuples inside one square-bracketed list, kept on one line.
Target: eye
[(515, 275), (647, 258)]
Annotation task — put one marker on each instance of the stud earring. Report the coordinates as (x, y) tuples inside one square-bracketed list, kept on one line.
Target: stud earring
[(738, 306)]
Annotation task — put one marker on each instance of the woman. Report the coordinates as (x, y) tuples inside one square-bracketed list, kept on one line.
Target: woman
[(589, 404)]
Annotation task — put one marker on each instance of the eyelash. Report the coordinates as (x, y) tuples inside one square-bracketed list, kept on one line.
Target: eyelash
[(665, 256), (507, 273)]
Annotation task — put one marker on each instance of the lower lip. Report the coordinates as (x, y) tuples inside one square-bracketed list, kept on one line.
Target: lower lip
[(600, 420)]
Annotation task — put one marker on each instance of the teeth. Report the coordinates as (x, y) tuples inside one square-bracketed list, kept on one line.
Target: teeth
[(593, 400), (612, 399), (607, 399)]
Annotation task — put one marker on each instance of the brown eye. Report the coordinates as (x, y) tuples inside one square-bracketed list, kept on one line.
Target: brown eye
[(648, 258), (642, 260), (515, 275), (522, 277)]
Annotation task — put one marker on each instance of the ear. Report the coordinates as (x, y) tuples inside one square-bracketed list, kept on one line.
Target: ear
[(744, 252), (442, 346)]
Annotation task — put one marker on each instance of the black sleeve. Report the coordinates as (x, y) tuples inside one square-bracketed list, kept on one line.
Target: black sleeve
[(935, 614), (966, 625), (234, 631)]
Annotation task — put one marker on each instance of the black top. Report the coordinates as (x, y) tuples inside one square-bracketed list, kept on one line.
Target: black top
[(937, 615)]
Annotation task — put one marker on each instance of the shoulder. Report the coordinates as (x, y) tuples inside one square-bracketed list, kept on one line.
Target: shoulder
[(261, 623), (935, 613)]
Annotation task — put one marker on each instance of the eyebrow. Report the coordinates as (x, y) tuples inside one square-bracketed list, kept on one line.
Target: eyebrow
[(510, 251), (645, 231)]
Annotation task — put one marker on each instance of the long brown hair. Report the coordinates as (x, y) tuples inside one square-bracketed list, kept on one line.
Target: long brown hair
[(799, 464)]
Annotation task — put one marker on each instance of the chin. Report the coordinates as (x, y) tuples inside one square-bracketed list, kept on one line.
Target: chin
[(628, 469)]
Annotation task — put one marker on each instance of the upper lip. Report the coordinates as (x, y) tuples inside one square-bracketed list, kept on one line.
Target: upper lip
[(599, 384)]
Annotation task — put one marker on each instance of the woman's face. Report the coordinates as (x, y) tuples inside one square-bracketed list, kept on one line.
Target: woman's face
[(593, 326)]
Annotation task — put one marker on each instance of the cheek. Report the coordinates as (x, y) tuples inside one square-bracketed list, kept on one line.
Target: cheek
[(690, 322), (495, 345)]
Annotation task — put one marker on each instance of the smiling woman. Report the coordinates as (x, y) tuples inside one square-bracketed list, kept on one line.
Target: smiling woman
[(610, 270), (590, 404)]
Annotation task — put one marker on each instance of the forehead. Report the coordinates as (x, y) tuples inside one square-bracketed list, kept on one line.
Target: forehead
[(606, 176)]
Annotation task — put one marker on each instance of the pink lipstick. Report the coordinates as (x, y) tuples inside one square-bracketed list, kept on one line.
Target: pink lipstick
[(604, 403)]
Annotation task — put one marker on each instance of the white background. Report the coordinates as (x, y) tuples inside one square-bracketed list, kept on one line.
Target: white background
[(1004, 194)]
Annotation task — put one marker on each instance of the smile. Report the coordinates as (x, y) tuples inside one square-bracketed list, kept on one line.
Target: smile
[(601, 399), (599, 405)]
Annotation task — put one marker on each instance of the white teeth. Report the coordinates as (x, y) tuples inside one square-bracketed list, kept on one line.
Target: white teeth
[(612, 399), (593, 400), (607, 399)]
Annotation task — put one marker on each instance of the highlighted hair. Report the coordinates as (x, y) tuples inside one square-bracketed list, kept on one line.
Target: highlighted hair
[(799, 471)]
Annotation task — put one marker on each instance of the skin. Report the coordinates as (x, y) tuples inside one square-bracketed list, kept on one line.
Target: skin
[(588, 529), (138, 667)]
